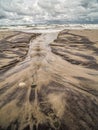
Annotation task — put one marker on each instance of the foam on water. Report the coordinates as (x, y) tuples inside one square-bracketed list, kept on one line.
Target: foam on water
[(48, 28)]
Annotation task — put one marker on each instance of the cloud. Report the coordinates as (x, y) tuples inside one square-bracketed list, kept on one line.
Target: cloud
[(34, 11)]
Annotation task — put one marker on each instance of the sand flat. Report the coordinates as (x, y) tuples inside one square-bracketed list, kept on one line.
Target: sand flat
[(49, 81)]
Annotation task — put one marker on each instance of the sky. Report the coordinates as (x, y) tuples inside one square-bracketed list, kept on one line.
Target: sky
[(21, 12)]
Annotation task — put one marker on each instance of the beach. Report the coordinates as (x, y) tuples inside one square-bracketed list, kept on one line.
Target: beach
[(49, 81)]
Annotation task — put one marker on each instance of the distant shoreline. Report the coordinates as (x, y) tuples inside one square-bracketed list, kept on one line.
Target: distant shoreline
[(49, 27)]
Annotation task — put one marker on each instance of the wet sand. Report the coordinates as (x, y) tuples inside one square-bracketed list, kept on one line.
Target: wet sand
[(49, 81)]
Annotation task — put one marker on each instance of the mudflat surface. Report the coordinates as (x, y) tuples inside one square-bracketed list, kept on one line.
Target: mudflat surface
[(49, 81)]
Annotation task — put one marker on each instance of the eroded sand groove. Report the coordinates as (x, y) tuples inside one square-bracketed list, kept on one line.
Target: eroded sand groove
[(54, 87)]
